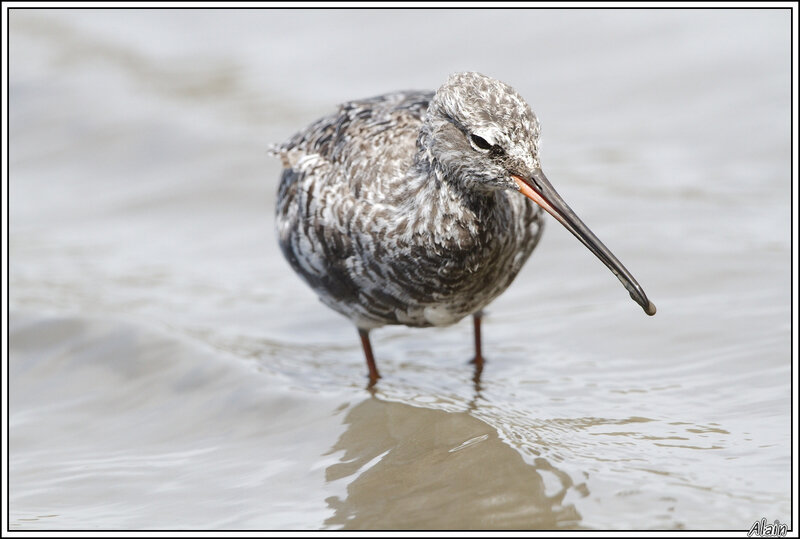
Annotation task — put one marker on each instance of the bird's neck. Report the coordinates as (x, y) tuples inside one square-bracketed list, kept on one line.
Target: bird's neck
[(445, 208), (432, 200)]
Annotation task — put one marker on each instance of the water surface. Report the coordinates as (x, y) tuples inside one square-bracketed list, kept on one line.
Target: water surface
[(168, 370)]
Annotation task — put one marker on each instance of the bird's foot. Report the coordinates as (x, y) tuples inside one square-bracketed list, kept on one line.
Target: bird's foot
[(477, 361), (373, 379)]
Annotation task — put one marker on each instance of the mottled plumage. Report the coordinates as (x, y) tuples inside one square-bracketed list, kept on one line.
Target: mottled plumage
[(386, 234), (406, 208)]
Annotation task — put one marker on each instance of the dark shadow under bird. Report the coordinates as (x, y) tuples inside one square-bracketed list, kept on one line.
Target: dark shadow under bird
[(406, 208)]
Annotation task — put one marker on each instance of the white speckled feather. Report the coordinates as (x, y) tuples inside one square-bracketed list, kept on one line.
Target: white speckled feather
[(392, 215)]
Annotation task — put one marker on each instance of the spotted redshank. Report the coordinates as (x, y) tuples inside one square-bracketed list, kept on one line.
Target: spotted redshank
[(420, 208)]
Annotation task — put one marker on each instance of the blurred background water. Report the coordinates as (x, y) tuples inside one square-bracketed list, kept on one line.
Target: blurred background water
[(168, 370)]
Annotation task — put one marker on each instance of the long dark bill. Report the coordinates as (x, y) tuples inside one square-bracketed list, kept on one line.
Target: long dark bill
[(538, 189)]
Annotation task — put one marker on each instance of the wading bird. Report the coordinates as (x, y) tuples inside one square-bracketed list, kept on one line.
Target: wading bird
[(420, 208)]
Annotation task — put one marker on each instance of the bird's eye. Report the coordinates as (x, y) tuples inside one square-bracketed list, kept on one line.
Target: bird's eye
[(481, 143)]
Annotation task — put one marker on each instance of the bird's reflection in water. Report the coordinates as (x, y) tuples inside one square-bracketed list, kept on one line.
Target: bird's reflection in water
[(476, 385), (419, 468)]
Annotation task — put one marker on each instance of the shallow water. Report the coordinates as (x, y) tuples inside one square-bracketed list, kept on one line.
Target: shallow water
[(169, 371)]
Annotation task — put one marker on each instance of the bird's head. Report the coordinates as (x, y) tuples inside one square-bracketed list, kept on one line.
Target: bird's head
[(481, 133)]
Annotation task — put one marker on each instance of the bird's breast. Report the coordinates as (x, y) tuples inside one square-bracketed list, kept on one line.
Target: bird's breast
[(454, 265)]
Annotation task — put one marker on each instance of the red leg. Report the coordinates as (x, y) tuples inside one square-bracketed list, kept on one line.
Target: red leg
[(373, 370), (476, 322)]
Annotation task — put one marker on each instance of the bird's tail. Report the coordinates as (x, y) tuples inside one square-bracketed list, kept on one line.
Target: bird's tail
[(279, 151), (275, 150)]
